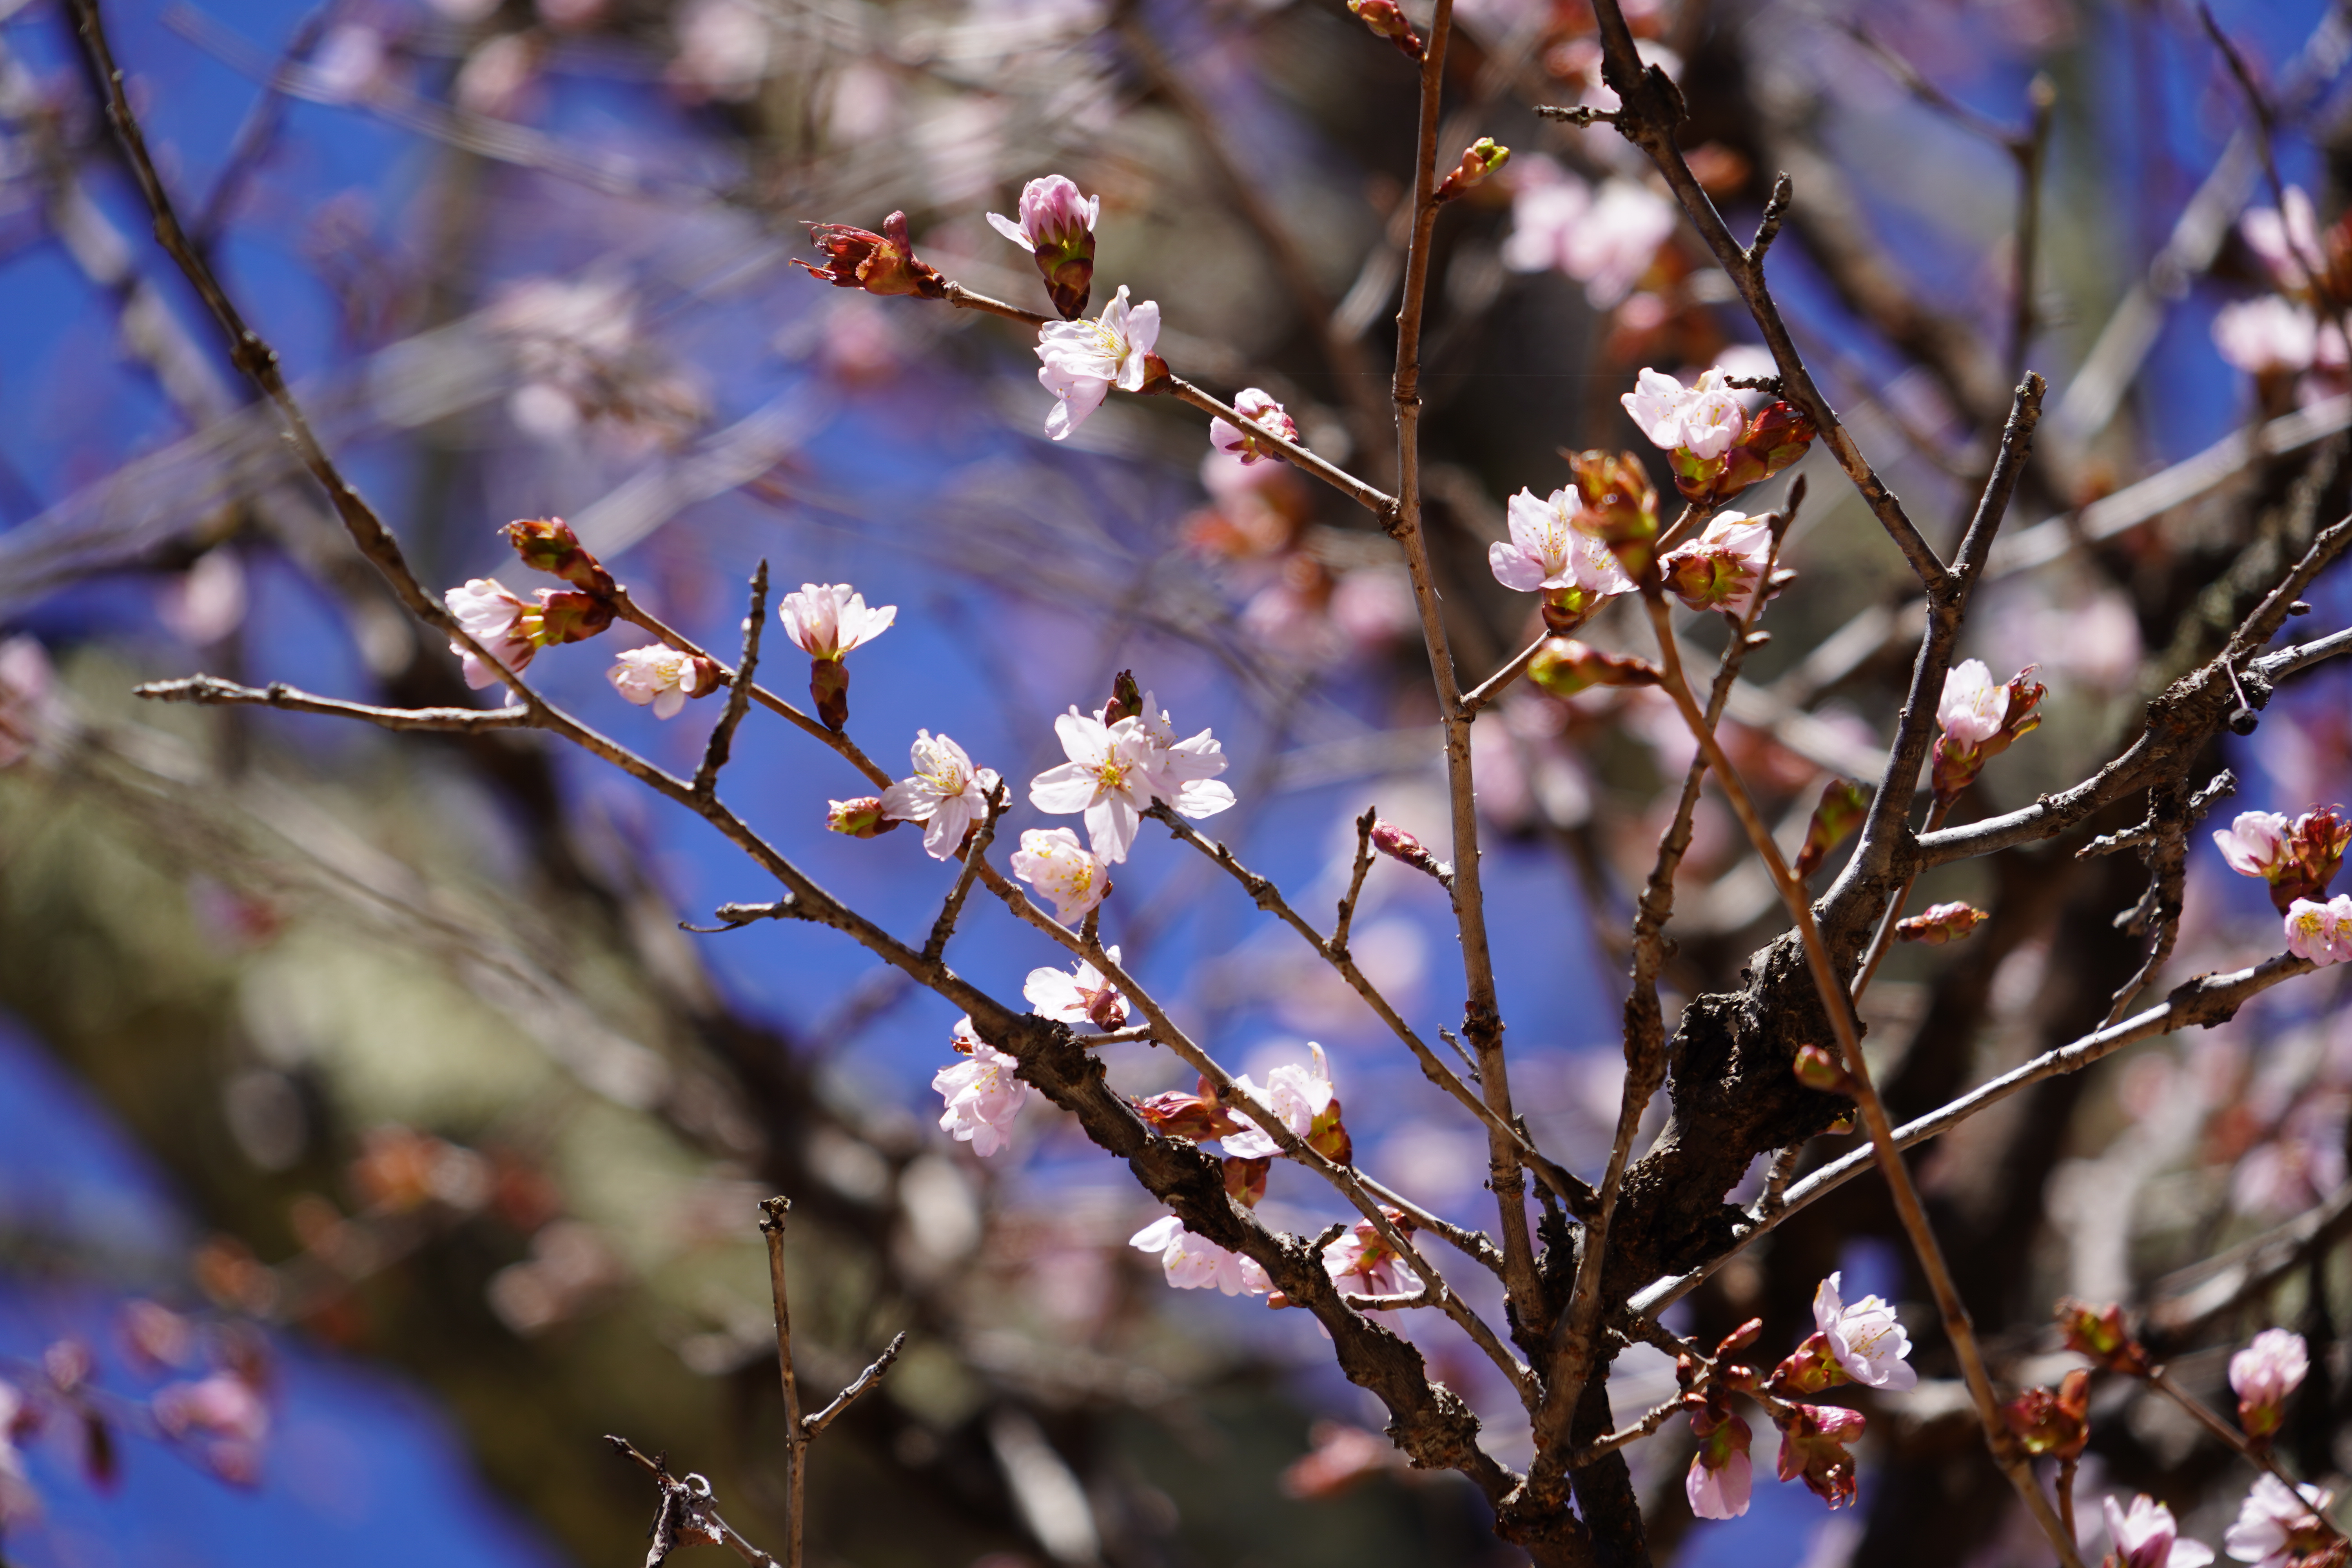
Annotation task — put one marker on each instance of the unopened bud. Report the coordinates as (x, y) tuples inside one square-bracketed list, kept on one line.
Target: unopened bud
[(1740, 1338), (1776, 436), (829, 689), (1940, 924), (858, 818), (2099, 1333), (548, 544), (878, 263), (1480, 159), (1125, 697), (1388, 19), (1245, 1179), (1564, 667), (1816, 1069), (1621, 505), (565, 615), (1843, 806), (2053, 1422), (1399, 846)]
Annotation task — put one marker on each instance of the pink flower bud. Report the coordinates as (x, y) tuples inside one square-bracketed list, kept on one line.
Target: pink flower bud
[(1721, 1472), (1480, 159), (1940, 924), (1387, 19), (548, 544), (1722, 568), (1250, 445), (1405, 850), (1564, 667), (1058, 229), (860, 818), (2264, 1375), (662, 676)]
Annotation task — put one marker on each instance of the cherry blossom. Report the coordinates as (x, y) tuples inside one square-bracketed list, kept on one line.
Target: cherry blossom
[(2147, 1537), (1705, 419), (947, 794), (662, 676), (2320, 933), (1302, 1098), (827, 620), (1107, 778), (1548, 551), (1973, 704), (2278, 1524), (862, 818), (1864, 1338), (493, 616), (982, 1094), (1084, 360), (1249, 445), (1813, 1445), (2255, 844), (1362, 1263), (1052, 861), (223, 1405), (1083, 996), (1604, 240), (1193, 1264), (1183, 773), (1057, 227), (2271, 336), (2287, 241), (2264, 1375), (1724, 566), (1720, 1474)]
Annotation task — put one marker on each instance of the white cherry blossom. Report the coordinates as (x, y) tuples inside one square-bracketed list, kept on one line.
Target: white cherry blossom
[(1193, 1264), (1362, 1264), (947, 794), (2147, 1537), (1866, 1338), (1974, 705), (662, 676), (1705, 418), (1109, 778), (494, 618), (827, 620), (2255, 843), (1547, 550), (1183, 773), (1084, 360), (1294, 1093), (1080, 998), (982, 1094), (1052, 861), (1053, 211), (2272, 1515)]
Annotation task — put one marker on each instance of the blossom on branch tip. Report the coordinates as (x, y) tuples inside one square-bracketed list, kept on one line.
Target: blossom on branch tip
[(1723, 567), (662, 676), (2255, 844), (512, 629), (2147, 1536), (1248, 445), (1702, 419), (2263, 1375), (1052, 861), (1863, 1343), (1058, 229), (2280, 1526), (1083, 996), (1116, 771), (1973, 704), (1980, 719), (1303, 1098), (982, 1094), (878, 263), (1362, 1263), (1720, 1475), (1940, 924), (2320, 933), (1407, 850), (1084, 360), (24, 682), (1480, 159), (1549, 551), (1195, 1264), (947, 794), (827, 620)]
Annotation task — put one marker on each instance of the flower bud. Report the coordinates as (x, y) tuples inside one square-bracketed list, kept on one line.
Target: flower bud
[(1564, 667), (1388, 19), (878, 263), (2099, 1333), (860, 818), (1399, 846), (2053, 1422), (1813, 1445), (1940, 924), (565, 615), (2312, 854), (1777, 436), (1621, 505), (1057, 227), (1817, 1069), (1840, 811), (1480, 159), (1740, 1338), (548, 544), (1176, 1114), (1125, 697), (1245, 1179)]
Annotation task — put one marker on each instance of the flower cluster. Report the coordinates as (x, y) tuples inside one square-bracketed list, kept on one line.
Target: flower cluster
[(982, 1095), (1717, 449), (1980, 718), (2297, 858), (1603, 238), (2279, 1526), (2282, 336), (1118, 769)]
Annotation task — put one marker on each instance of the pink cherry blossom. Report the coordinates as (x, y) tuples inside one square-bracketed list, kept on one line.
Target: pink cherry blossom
[(1974, 705), (1053, 213), (2320, 933), (947, 794), (1084, 360), (1052, 861), (1295, 1094), (1604, 240), (825, 621), (2147, 1537), (1083, 996), (1866, 1338), (2277, 1524), (1548, 551), (1107, 778), (662, 676), (2255, 843), (2271, 336), (1362, 1264), (1259, 409), (1705, 418), (1193, 1264), (1723, 567), (982, 1094), (222, 1405), (494, 618), (1183, 773), (2264, 1375), (1721, 1492)]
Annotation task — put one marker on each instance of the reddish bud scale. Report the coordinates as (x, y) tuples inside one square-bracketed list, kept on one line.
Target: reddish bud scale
[(1620, 509), (1814, 1439), (1812, 1367), (1402, 847), (565, 615), (1245, 1180), (1565, 666), (1176, 1114), (548, 544), (2099, 1333), (1387, 20), (1777, 436), (878, 263), (1940, 924), (2056, 1423), (1125, 697), (1843, 806), (2313, 854), (829, 689)]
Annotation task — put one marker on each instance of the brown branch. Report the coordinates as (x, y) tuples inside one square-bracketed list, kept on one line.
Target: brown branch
[(686, 1505), (796, 1435), (211, 690), (1369, 497), (1339, 943), (862, 1384), (1493, 686), (975, 850), (738, 689)]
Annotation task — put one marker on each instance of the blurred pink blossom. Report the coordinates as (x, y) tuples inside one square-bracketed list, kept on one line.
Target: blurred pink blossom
[(2320, 933), (1193, 1264), (2147, 1537), (1604, 241), (2286, 242), (2277, 1524), (25, 683), (2264, 1375)]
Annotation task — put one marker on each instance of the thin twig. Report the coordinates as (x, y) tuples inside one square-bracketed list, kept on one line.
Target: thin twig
[(689, 1500), (1339, 943), (739, 689), (1493, 686), (796, 1435), (211, 690), (864, 1382), (974, 851)]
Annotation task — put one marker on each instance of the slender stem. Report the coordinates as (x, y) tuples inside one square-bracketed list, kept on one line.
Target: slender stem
[(211, 690), (1369, 497), (797, 1436), (1884, 938), (721, 743), (1493, 685), (1339, 943), (2253, 1453), (862, 1383)]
